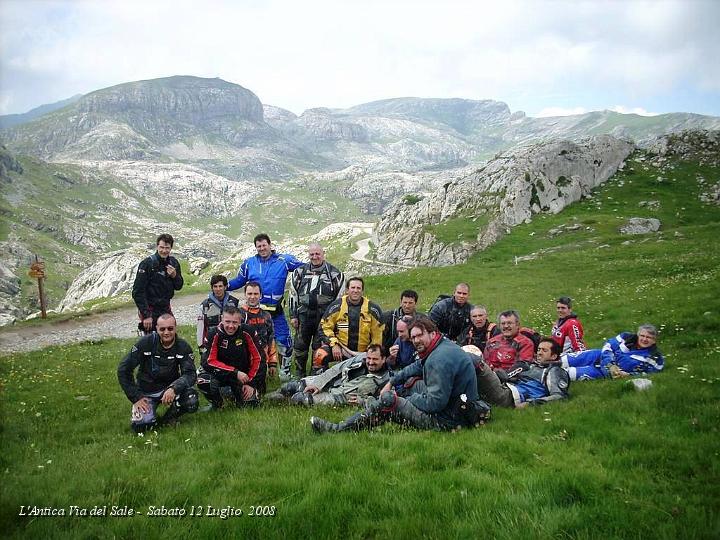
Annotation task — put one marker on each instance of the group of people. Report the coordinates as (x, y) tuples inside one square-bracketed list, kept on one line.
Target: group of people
[(440, 370)]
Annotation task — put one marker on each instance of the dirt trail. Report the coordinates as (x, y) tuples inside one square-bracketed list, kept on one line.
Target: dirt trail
[(363, 248), (120, 323)]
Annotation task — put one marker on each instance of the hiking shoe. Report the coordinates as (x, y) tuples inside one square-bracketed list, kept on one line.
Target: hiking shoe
[(322, 426)]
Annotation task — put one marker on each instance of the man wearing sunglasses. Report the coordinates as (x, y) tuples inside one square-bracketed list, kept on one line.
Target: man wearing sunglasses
[(165, 375)]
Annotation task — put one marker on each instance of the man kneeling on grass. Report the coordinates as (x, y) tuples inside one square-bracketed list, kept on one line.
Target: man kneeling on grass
[(525, 383), (449, 398), (232, 359), (166, 374), (348, 382), (624, 355)]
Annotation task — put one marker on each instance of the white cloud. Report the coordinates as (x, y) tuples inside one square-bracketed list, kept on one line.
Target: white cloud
[(333, 53), (632, 110)]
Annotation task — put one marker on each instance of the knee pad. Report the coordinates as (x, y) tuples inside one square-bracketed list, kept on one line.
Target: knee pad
[(301, 398), (290, 388), (388, 401), (372, 405), (189, 402), (253, 402)]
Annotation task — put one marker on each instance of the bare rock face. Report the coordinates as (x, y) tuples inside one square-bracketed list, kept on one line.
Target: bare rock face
[(110, 276), (192, 191), (700, 144), (8, 163), (509, 190), (638, 225), (9, 296)]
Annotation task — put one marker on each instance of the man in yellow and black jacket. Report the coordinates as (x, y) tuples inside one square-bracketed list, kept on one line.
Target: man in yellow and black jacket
[(349, 325)]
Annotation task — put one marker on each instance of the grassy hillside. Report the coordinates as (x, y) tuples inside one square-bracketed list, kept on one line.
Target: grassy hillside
[(70, 216), (608, 463)]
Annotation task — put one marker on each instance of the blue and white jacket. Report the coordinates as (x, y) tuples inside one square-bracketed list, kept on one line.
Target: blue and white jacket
[(622, 350), (271, 273)]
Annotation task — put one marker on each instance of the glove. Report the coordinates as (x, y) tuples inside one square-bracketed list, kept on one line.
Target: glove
[(616, 372)]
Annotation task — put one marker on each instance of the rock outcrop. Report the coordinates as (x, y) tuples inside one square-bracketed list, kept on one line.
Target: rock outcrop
[(8, 163), (110, 276), (637, 225), (483, 206)]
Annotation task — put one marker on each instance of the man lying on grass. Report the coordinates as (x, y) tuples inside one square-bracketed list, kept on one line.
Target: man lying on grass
[(449, 397), (166, 374), (348, 382), (624, 355), (525, 383)]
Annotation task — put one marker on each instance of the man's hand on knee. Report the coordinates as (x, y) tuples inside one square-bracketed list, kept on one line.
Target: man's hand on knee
[(248, 392), (142, 405), (168, 396)]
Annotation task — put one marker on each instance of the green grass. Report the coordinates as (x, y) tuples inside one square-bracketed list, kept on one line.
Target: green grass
[(458, 229), (608, 463)]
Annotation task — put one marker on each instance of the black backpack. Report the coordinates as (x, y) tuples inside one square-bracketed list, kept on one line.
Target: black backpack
[(534, 336)]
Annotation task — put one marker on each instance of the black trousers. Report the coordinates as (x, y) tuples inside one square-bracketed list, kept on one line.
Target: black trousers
[(211, 384), (307, 334)]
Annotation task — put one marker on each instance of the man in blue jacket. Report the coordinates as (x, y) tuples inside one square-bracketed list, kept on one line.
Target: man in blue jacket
[(270, 269), (525, 383), (624, 355), (448, 400)]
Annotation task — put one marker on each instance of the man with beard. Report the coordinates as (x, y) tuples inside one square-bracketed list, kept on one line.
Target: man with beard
[(510, 346), (448, 400), (348, 382), (525, 383)]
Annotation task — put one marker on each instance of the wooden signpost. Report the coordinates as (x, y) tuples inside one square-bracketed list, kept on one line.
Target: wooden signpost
[(37, 270)]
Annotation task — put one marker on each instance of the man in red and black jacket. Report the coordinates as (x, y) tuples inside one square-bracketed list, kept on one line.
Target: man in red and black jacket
[(232, 358), (510, 346), (568, 331), (261, 322)]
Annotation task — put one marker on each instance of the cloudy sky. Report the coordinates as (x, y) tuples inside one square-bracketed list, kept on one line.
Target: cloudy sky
[(542, 57)]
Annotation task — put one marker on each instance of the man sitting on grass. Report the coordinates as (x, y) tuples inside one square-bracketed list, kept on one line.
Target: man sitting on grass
[(624, 355), (525, 383), (449, 398), (166, 374), (348, 382)]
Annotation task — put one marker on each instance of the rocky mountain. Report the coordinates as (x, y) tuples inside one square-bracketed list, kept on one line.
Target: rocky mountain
[(470, 213), (223, 128), (206, 160)]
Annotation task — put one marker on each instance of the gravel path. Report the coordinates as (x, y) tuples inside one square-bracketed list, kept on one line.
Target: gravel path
[(121, 323)]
